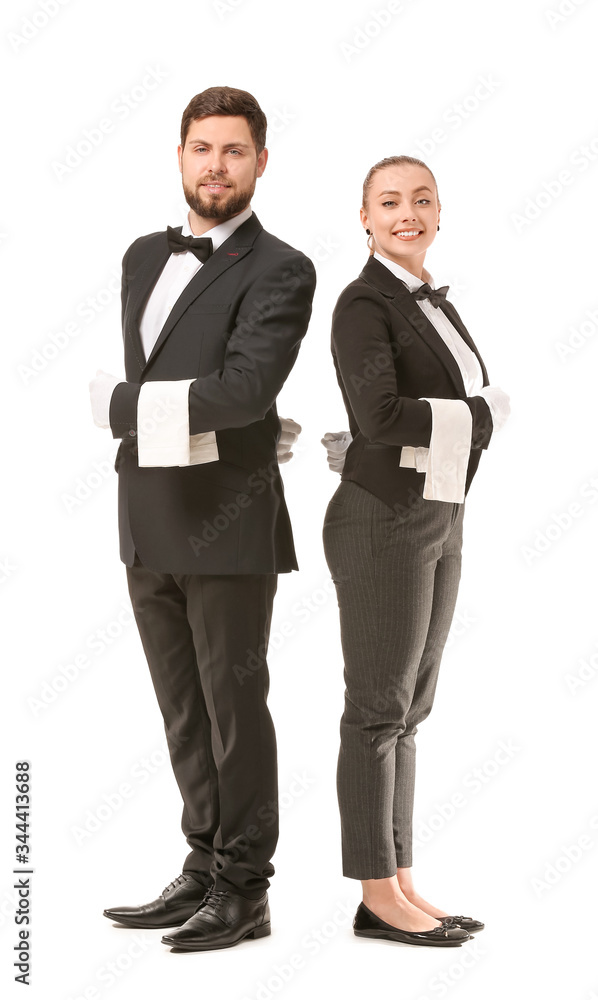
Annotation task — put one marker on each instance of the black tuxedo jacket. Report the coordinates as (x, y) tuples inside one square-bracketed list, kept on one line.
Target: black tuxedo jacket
[(387, 355), (236, 329)]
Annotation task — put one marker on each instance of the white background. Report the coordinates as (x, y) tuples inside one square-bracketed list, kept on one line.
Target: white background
[(499, 99)]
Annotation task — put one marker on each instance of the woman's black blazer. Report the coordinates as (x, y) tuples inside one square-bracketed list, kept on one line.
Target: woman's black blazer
[(387, 355)]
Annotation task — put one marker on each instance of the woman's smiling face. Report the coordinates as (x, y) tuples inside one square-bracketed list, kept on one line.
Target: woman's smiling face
[(402, 213)]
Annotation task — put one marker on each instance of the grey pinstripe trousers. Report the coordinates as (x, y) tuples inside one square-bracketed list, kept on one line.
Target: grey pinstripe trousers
[(396, 578)]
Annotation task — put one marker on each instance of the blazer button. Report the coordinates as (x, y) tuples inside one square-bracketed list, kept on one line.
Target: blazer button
[(132, 433)]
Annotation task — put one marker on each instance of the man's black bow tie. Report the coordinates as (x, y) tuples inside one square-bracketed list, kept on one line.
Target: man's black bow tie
[(201, 246), (435, 295)]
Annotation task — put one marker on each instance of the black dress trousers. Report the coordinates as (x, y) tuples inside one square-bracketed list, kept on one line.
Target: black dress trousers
[(397, 578), (205, 638)]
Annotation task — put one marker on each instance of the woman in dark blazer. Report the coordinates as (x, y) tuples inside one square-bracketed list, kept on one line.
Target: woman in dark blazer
[(420, 414)]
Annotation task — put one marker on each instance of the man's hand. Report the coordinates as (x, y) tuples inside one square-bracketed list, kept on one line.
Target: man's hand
[(336, 445), (100, 390), (289, 436), (499, 405)]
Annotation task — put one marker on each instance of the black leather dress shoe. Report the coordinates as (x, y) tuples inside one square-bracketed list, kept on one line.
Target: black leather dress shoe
[(221, 921), (468, 923), (177, 902), (367, 924)]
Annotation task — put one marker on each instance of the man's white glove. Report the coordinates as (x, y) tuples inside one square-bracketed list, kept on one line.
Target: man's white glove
[(289, 436), (336, 445), (498, 401), (100, 390)]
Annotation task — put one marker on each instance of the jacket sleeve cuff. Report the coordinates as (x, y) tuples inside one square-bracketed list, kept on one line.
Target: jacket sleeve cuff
[(482, 421), (123, 409)]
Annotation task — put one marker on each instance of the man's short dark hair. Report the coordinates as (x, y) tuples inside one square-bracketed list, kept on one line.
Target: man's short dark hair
[(227, 101)]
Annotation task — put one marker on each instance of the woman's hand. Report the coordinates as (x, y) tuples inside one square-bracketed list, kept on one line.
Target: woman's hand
[(336, 445), (499, 404)]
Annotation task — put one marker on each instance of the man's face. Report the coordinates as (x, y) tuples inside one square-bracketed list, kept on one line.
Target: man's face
[(220, 165)]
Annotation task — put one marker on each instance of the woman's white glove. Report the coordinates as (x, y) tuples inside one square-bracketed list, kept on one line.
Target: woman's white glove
[(498, 401), (289, 436), (336, 445)]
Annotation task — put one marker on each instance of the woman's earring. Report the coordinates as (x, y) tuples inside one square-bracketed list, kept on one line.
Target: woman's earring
[(370, 236), (437, 228)]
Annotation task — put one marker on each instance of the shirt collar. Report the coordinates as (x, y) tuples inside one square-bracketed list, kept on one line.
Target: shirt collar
[(218, 234), (405, 276)]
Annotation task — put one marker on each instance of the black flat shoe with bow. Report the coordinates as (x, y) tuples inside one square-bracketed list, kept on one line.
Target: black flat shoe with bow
[(367, 924), (468, 923)]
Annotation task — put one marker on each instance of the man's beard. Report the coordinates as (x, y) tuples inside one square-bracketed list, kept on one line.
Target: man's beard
[(215, 206)]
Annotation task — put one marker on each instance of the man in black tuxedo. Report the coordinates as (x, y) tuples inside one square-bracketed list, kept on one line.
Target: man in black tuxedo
[(213, 316)]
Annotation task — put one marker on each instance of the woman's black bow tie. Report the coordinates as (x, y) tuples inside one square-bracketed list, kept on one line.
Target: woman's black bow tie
[(435, 295), (201, 246)]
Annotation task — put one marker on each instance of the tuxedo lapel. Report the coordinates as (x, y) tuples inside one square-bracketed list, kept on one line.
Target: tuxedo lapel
[(381, 278), (216, 265), (407, 305), (232, 251), (451, 313), (140, 288)]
